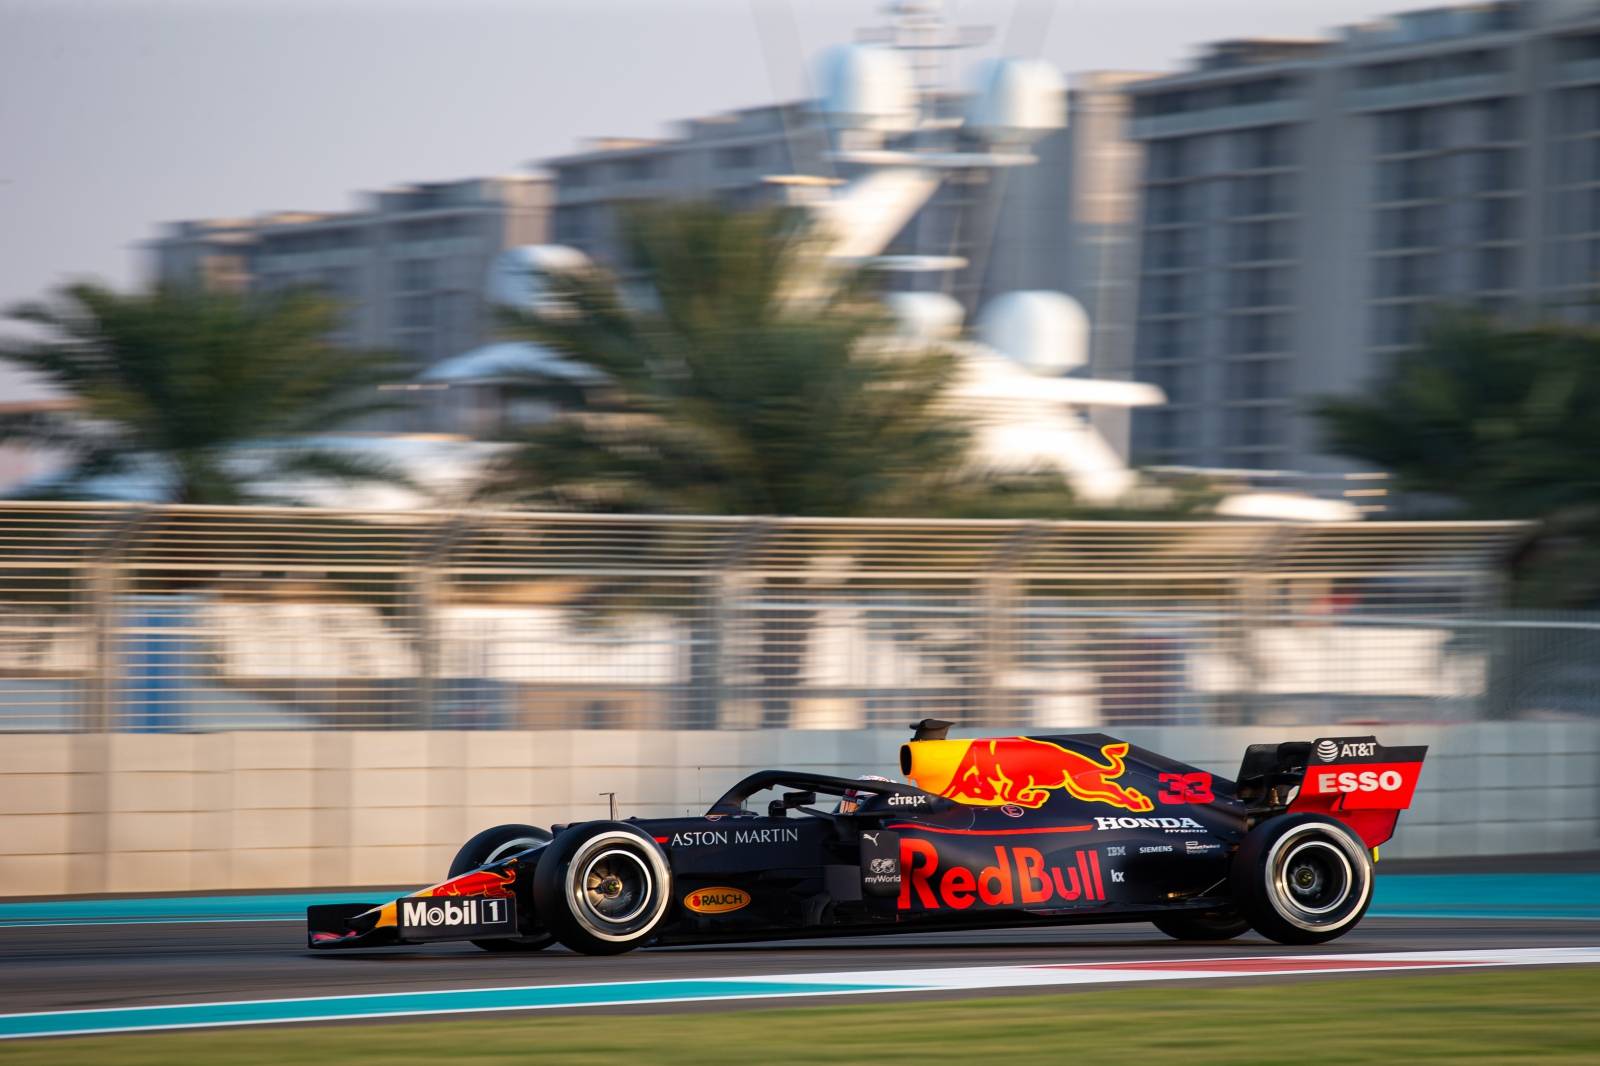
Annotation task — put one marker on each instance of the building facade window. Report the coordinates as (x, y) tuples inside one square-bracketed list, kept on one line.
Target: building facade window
[(1489, 121), (1406, 276), (1167, 430), (1269, 146), (1171, 205), (1166, 294), (1418, 226), (414, 275), (1169, 250), (638, 168), (1170, 159), (1469, 63), (1256, 379), (1396, 325), (1487, 170), (1258, 287), (1578, 110), (571, 224), (1415, 130), (1581, 262), (1161, 340), (1494, 268), (1410, 179), (736, 157), (1260, 194), (1495, 219), (1255, 333), (1580, 161), (1254, 426), (1258, 241)]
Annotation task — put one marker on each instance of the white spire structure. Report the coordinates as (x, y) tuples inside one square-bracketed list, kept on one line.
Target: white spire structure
[(1022, 376)]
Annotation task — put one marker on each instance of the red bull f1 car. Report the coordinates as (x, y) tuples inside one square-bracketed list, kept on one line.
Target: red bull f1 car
[(998, 832)]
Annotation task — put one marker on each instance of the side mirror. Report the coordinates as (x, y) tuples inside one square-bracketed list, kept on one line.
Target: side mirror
[(779, 808)]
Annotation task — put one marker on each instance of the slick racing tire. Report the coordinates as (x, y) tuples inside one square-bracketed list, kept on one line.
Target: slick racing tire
[(491, 845), (603, 888), (1302, 879), (1218, 925)]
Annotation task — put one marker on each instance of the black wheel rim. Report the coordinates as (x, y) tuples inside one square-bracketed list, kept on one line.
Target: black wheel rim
[(1315, 878), (615, 886)]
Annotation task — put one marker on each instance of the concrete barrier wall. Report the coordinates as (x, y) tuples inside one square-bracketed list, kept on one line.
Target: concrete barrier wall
[(93, 813)]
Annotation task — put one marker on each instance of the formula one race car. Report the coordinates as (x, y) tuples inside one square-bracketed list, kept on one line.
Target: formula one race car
[(1015, 831)]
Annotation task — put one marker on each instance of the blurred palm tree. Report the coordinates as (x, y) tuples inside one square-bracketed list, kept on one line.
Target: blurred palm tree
[(742, 378), (176, 381), (1493, 420), (1497, 417)]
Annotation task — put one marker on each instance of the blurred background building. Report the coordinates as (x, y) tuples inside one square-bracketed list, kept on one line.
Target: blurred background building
[(736, 159), (1305, 204), (417, 270), (1267, 227), (408, 266)]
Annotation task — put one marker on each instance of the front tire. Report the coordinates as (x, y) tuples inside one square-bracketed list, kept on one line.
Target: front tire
[(492, 845), (1302, 879), (603, 888), (1189, 925)]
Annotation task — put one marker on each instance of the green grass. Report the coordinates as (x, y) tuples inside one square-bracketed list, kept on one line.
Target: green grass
[(1550, 1015)]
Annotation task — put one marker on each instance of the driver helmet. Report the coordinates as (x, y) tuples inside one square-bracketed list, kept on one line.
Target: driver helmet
[(850, 802)]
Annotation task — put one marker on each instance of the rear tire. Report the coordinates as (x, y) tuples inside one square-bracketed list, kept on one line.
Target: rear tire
[(603, 888), (1193, 925), (1302, 879), (492, 845)]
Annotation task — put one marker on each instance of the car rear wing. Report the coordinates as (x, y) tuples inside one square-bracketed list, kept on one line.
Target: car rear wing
[(1357, 780)]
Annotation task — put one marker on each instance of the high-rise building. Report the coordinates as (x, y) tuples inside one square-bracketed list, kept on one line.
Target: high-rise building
[(738, 159), (1307, 204), (409, 267)]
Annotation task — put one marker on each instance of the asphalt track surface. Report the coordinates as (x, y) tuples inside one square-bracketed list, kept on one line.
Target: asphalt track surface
[(76, 968)]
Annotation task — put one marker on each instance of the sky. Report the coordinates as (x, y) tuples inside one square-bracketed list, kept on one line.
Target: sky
[(118, 115)]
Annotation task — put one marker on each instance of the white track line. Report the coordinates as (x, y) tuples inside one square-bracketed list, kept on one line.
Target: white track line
[(765, 986)]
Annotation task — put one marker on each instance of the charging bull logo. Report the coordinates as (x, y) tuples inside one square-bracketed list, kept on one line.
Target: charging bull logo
[(1021, 771), (477, 883), (492, 884)]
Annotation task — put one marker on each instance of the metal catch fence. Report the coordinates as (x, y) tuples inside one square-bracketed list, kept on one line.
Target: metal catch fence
[(125, 617)]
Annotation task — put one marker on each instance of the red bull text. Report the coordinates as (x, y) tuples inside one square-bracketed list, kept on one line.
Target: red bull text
[(1019, 877)]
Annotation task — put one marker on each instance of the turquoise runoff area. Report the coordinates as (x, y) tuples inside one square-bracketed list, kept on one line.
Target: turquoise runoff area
[(397, 1004), (274, 907), (1543, 895)]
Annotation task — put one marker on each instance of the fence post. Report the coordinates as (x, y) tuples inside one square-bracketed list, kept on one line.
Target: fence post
[(89, 835), (998, 624), (1254, 600), (708, 668), (96, 713), (1500, 645), (89, 839), (105, 586), (425, 595)]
